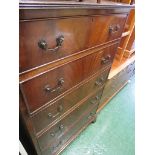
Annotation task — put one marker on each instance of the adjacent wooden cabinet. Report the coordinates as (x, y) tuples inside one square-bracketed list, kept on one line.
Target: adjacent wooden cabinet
[(66, 52)]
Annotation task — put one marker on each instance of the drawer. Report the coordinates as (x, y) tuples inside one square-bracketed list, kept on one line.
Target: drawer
[(64, 128), (44, 41), (45, 117), (114, 84), (44, 88), (59, 143)]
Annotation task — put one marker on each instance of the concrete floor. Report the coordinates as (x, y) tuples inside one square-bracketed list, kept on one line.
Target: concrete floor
[(113, 132)]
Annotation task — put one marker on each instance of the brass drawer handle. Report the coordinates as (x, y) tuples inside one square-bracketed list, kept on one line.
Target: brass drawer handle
[(59, 109), (60, 129), (93, 101), (114, 29), (90, 115), (53, 116), (100, 81), (54, 147), (106, 59), (43, 44), (57, 88)]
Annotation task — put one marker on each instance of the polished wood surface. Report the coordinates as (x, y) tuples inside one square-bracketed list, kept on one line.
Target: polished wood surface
[(86, 4), (114, 84), (66, 52), (71, 73), (78, 35), (28, 75), (87, 118), (59, 108), (66, 125)]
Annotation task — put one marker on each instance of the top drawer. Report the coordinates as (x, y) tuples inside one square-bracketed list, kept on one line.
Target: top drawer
[(44, 41)]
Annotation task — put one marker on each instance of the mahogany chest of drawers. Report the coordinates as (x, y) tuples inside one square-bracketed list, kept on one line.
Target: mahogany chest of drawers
[(116, 83), (66, 51)]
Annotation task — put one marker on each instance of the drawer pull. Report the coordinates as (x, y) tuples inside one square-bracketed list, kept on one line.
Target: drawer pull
[(59, 109), (53, 116), (56, 146), (97, 97), (106, 59), (90, 115), (102, 79), (43, 44), (99, 82), (60, 129), (114, 29), (95, 100), (61, 126), (52, 134), (58, 88)]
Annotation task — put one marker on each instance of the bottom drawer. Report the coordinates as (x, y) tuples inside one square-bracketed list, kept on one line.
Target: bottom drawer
[(64, 129), (82, 122)]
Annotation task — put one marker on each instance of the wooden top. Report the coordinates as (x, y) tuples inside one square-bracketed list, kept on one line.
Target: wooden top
[(46, 4)]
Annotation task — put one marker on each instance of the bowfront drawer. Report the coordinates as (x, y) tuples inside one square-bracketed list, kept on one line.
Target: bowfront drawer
[(44, 41), (66, 127), (58, 108), (44, 88)]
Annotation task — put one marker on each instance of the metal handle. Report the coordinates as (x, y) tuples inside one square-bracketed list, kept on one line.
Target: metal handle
[(43, 44), (53, 116), (106, 59), (54, 147), (114, 29), (100, 81), (93, 101), (57, 88), (59, 109), (60, 129), (90, 115)]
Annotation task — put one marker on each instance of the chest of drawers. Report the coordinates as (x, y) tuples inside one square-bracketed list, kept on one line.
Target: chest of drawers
[(66, 51), (115, 84)]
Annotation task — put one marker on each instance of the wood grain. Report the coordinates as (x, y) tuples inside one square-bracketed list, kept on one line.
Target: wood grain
[(78, 35), (41, 119), (72, 74), (91, 33), (69, 123)]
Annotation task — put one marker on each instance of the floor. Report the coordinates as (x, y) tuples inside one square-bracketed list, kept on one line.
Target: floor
[(113, 132)]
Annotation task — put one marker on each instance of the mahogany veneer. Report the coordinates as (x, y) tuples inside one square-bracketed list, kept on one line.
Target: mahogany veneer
[(78, 33), (66, 52)]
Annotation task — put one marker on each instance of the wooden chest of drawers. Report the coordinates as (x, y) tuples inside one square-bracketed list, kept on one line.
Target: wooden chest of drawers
[(66, 52), (113, 85)]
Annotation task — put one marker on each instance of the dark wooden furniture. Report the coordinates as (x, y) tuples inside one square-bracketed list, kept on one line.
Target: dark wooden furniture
[(66, 52), (115, 84)]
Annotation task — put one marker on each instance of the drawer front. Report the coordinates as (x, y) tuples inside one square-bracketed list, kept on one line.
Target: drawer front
[(58, 108), (114, 84), (50, 85), (44, 41), (59, 143), (66, 125)]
